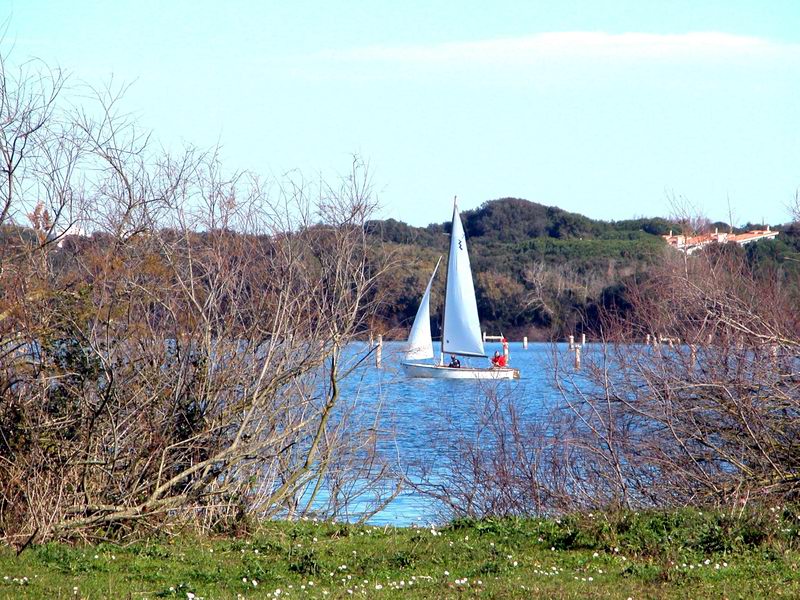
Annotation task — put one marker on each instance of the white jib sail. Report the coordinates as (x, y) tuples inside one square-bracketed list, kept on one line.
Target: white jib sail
[(420, 344), (462, 330)]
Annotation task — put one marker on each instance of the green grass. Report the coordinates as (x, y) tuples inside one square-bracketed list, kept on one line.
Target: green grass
[(675, 554)]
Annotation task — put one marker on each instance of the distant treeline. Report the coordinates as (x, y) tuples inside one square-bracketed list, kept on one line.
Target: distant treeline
[(539, 270)]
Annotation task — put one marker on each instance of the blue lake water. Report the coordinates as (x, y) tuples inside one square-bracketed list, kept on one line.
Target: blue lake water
[(420, 414)]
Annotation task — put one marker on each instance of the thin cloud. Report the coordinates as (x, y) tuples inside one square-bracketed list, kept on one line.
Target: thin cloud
[(578, 45)]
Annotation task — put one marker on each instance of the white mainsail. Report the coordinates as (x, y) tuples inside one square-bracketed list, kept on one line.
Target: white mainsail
[(420, 344), (461, 333)]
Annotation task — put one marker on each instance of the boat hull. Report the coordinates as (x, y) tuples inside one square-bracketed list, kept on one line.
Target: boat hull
[(427, 371)]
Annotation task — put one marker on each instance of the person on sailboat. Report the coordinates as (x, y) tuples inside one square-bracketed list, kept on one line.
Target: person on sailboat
[(454, 362), (498, 360)]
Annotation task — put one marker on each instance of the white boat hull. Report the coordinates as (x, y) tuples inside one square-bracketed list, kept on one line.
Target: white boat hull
[(423, 370)]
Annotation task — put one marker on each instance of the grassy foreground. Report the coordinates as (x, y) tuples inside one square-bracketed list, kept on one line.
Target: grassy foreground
[(679, 554)]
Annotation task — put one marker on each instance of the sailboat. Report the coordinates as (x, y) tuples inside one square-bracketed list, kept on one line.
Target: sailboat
[(461, 330)]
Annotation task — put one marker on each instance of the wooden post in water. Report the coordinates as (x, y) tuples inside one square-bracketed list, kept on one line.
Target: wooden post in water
[(572, 342), (379, 351), (371, 341), (577, 357), (583, 339), (525, 342), (484, 337)]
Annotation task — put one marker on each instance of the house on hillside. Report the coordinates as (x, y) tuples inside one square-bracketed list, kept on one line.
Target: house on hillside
[(690, 244)]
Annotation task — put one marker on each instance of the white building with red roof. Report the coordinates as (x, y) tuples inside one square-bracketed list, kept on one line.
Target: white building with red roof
[(690, 244)]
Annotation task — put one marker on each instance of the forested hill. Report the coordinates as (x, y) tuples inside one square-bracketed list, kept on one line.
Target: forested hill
[(511, 220), (539, 270)]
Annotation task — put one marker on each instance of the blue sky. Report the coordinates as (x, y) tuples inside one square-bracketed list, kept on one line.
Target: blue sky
[(605, 108)]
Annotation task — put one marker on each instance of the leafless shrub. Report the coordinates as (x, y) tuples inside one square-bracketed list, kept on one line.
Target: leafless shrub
[(706, 413), (183, 365), (496, 458)]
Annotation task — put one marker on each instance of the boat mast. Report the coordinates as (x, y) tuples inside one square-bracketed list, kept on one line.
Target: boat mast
[(446, 276)]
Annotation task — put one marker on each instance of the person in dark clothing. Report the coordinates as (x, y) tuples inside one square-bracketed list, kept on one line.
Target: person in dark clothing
[(454, 362)]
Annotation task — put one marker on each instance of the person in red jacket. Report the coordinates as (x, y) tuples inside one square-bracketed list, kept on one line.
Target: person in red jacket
[(498, 360)]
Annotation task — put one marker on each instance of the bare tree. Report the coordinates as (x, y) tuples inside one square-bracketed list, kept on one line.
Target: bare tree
[(28, 135), (184, 363), (708, 414)]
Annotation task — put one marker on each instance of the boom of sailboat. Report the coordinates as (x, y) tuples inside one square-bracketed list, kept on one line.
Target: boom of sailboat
[(461, 331)]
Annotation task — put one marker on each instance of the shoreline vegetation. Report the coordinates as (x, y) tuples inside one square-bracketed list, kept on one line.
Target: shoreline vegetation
[(753, 553)]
